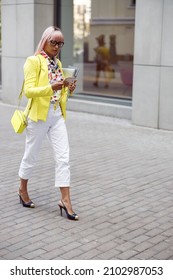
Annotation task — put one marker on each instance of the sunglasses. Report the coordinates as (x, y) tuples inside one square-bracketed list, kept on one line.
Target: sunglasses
[(55, 43)]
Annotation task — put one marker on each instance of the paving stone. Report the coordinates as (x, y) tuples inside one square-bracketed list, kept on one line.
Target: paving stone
[(112, 254), (143, 246), (34, 254), (92, 254), (74, 254), (127, 255), (164, 255), (54, 253), (107, 246)]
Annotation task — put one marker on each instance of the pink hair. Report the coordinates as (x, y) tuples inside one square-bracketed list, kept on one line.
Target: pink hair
[(46, 35)]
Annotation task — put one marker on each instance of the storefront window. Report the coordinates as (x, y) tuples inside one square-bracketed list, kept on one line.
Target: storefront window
[(104, 46)]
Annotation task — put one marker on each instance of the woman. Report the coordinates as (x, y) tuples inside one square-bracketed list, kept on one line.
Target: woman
[(46, 90)]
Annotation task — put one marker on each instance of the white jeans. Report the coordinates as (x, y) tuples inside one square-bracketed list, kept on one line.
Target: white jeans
[(55, 129)]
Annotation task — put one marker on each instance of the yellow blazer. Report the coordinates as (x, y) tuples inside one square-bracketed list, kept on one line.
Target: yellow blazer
[(38, 89)]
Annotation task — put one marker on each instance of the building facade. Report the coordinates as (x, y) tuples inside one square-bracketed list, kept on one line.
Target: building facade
[(137, 35)]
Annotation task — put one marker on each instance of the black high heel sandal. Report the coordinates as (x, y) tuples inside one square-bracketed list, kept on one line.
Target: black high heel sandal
[(29, 204), (73, 216)]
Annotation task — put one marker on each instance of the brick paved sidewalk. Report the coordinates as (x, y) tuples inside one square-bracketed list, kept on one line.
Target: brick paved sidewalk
[(122, 189)]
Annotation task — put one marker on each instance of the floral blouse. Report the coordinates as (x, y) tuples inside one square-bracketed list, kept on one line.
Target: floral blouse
[(54, 75)]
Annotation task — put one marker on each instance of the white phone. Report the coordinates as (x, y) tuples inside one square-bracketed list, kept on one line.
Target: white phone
[(70, 72)]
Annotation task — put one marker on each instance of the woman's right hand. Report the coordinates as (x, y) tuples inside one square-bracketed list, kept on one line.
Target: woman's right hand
[(57, 85)]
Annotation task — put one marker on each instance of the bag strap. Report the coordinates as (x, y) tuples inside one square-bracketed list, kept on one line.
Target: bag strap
[(21, 92), (20, 95)]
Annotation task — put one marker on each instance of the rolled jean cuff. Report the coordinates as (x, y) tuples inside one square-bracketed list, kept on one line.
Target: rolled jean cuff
[(62, 185), (24, 176)]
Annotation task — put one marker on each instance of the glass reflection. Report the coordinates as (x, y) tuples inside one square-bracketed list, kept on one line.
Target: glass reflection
[(104, 46)]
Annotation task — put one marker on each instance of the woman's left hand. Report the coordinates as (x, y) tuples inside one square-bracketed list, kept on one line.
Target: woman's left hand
[(72, 86)]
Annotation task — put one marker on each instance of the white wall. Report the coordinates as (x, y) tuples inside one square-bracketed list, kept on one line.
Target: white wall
[(67, 29), (23, 22), (166, 77), (153, 64)]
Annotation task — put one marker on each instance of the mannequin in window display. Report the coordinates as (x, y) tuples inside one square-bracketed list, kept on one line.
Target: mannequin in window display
[(102, 59)]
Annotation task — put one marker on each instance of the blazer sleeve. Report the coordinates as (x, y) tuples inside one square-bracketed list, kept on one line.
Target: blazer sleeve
[(65, 89), (32, 73)]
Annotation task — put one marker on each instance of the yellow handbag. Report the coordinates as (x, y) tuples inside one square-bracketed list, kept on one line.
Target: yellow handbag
[(19, 119)]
